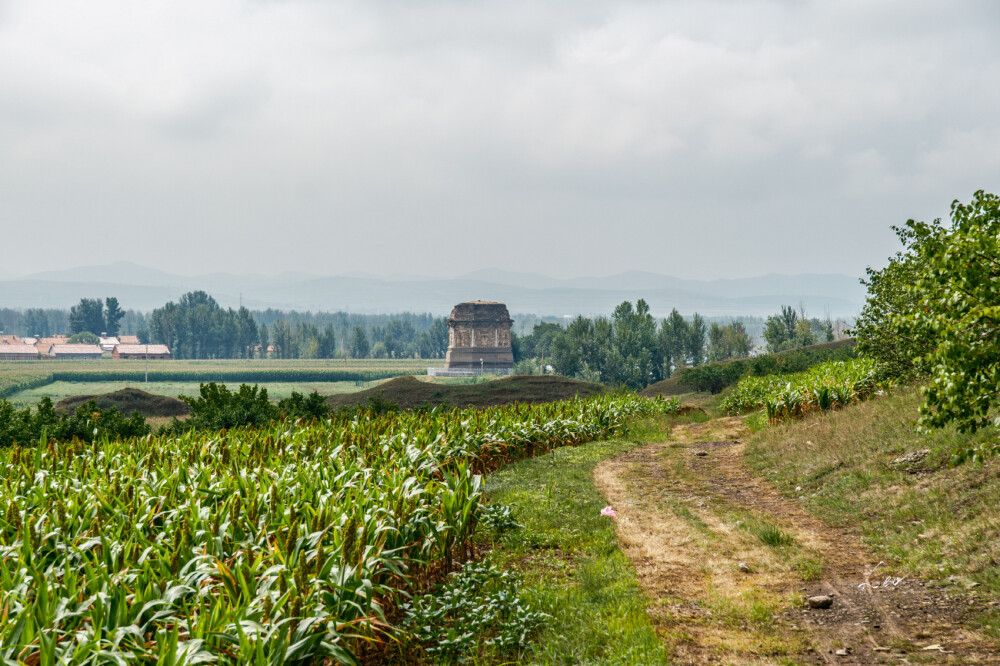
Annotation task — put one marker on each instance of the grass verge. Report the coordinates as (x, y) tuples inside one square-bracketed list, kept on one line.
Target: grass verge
[(573, 566), (867, 467)]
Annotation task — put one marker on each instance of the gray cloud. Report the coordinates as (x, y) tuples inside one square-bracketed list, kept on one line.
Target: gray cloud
[(701, 139)]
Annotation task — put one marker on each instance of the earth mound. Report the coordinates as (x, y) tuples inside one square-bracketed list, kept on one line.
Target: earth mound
[(409, 392), (129, 400)]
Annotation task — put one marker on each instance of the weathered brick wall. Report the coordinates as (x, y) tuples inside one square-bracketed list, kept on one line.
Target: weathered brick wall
[(479, 336)]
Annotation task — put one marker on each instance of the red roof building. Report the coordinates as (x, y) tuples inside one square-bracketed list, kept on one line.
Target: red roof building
[(151, 352), (18, 352), (76, 351)]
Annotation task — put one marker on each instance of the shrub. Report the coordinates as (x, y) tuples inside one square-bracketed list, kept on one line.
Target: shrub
[(87, 423), (308, 407), (217, 407)]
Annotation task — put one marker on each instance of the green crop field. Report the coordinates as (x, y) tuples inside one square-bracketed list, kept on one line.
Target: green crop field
[(281, 545), (275, 390), (17, 376), (826, 386)]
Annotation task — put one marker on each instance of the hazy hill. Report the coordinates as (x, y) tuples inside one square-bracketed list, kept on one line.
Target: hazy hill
[(145, 288)]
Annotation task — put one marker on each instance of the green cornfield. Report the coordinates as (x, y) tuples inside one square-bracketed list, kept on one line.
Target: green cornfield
[(826, 386), (295, 543)]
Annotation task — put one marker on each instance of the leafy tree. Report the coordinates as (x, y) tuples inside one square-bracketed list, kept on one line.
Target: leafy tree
[(87, 315), (326, 346), (282, 340), (952, 278), (264, 339), (113, 315), (36, 322), (247, 334), (696, 339), (804, 333), (539, 343), (790, 329), (83, 337), (433, 343), (776, 334), (359, 343), (674, 337), (635, 342), (897, 349), (197, 327), (728, 341), (737, 340)]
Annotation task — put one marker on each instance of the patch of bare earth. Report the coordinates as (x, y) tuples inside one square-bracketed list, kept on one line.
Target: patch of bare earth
[(729, 564)]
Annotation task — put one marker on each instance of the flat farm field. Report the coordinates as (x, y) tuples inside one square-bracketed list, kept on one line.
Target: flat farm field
[(275, 390), (18, 377)]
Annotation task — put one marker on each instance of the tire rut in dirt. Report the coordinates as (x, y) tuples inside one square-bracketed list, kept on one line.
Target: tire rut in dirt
[(871, 620)]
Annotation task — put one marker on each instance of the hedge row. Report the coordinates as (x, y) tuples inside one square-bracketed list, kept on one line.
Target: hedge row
[(220, 375), (11, 383), (713, 377)]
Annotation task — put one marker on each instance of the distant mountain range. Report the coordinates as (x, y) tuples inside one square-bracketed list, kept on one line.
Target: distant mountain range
[(144, 288)]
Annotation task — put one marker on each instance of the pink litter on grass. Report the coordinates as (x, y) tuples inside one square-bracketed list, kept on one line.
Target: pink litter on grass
[(608, 511)]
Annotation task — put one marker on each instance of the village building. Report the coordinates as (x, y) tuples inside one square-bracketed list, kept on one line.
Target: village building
[(76, 351), (142, 352), (17, 352), (128, 340), (9, 339), (108, 343), (478, 339)]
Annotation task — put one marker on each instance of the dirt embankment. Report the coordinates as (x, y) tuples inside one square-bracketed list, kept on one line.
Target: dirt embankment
[(730, 564), (129, 400), (410, 392)]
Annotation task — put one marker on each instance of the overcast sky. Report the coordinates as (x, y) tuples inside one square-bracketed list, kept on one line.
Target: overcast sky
[(698, 139)]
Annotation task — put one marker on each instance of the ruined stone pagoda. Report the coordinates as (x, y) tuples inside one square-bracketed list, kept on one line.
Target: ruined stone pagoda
[(479, 338)]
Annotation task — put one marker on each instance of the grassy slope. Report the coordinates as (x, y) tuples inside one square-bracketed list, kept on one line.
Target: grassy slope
[(574, 567), (674, 387), (938, 521), (410, 392)]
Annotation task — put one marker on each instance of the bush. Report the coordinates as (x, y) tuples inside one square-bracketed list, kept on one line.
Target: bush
[(87, 423), (217, 407), (308, 407)]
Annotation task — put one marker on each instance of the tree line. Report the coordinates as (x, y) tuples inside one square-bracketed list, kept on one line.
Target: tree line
[(196, 326), (631, 348)]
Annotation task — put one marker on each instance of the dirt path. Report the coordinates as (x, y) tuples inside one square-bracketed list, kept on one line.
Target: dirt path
[(729, 564)]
